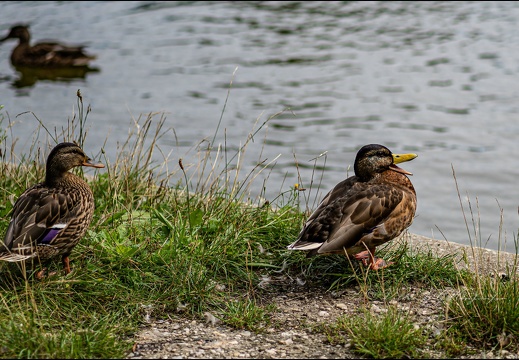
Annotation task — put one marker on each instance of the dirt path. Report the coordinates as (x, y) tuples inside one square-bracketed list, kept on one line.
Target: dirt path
[(299, 308)]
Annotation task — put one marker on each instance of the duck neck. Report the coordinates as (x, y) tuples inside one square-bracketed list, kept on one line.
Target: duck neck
[(24, 37), (54, 176)]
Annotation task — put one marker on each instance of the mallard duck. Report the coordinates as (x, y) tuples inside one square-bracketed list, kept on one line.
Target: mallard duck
[(44, 54), (363, 211), (50, 218)]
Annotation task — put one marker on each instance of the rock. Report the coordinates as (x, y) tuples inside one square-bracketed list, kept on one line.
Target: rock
[(342, 306)]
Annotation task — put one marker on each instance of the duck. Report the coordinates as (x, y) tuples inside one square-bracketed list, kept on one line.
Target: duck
[(364, 211), (50, 218), (44, 54)]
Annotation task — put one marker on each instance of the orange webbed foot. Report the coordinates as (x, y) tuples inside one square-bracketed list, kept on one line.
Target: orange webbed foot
[(380, 263), (41, 274), (374, 263)]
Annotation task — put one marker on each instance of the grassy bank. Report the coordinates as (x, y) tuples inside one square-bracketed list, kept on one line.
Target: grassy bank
[(201, 246)]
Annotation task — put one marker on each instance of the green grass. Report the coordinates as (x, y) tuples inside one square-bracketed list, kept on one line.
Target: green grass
[(390, 335), (191, 242), (150, 246), (246, 314), (421, 269), (486, 311)]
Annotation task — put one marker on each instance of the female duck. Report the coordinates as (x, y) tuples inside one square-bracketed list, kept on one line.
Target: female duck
[(50, 218), (44, 54), (363, 211)]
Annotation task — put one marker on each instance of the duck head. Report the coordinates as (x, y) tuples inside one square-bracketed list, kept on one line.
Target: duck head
[(18, 32), (64, 157), (374, 158)]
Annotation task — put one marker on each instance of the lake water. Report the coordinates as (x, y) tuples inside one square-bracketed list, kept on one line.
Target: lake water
[(436, 78)]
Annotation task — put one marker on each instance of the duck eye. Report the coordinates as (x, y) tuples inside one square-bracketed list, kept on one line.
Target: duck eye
[(76, 152)]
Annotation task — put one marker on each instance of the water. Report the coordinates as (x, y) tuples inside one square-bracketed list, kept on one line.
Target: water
[(435, 78)]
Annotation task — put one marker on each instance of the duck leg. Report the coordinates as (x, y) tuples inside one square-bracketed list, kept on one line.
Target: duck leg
[(368, 259), (66, 264)]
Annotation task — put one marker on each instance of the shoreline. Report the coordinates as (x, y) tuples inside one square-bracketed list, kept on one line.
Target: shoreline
[(473, 258)]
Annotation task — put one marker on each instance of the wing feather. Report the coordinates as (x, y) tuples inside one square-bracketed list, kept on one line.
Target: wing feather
[(39, 215)]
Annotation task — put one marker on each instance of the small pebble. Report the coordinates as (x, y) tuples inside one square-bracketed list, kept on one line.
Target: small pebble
[(342, 306)]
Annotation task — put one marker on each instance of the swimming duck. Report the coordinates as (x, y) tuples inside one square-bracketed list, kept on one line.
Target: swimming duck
[(50, 218), (44, 54), (364, 211)]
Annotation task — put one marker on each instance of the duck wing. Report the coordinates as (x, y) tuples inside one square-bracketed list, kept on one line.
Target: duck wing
[(355, 215), (52, 53), (39, 216)]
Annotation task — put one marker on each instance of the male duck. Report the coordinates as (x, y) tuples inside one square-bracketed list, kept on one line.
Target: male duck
[(50, 218), (363, 211), (44, 54)]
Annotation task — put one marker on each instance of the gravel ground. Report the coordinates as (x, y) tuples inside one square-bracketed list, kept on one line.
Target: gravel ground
[(299, 308)]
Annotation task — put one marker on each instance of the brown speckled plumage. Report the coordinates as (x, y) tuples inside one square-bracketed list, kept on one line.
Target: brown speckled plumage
[(364, 211), (44, 54), (50, 218)]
